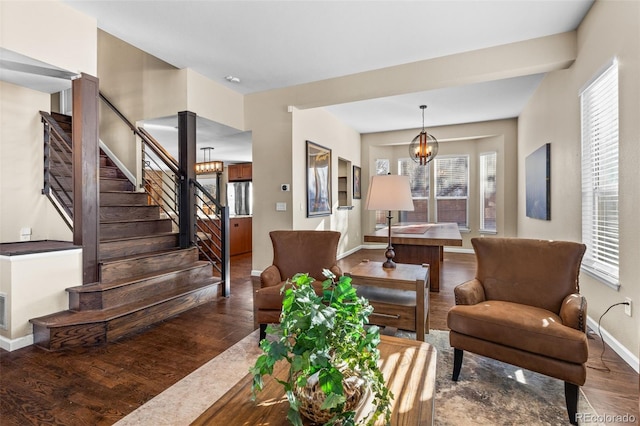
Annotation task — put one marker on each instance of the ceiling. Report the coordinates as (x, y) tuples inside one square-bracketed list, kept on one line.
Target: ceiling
[(273, 44)]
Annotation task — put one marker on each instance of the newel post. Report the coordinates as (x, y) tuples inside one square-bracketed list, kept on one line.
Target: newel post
[(86, 195), (187, 164)]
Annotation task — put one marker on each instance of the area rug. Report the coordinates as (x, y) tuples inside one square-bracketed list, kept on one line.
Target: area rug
[(490, 392)]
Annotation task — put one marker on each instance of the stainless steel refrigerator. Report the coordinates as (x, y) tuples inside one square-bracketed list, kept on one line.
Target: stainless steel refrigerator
[(240, 198)]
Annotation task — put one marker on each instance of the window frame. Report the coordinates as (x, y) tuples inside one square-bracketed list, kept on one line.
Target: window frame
[(602, 138), (465, 228), (482, 179), (427, 198)]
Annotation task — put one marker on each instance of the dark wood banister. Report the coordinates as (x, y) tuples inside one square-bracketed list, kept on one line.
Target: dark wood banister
[(158, 149), (144, 135)]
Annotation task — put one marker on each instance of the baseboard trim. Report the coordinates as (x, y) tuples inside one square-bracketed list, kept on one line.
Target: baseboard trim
[(15, 344), (617, 347), (256, 273)]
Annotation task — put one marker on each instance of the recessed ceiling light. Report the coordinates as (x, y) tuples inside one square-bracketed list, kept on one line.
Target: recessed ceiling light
[(232, 79)]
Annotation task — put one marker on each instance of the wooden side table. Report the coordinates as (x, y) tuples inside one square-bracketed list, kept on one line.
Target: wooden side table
[(400, 296)]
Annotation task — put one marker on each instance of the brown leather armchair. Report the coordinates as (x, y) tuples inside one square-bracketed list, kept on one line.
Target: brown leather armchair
[(524, 308), (293, 252)]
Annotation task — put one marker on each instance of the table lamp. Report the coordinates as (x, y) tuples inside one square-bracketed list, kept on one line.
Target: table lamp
[(389, 192)]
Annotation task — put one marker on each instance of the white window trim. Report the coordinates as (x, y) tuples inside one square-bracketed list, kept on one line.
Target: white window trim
[(466, 227), (601, 271), (482, 230)]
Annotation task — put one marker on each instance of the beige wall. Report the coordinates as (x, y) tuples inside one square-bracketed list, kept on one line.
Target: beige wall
[(35, 286), (267, 116), (553, 116), (470, 139), (214, 101), (143, 87), (51, 32), (140, 86), (322, 128), (21, 168)]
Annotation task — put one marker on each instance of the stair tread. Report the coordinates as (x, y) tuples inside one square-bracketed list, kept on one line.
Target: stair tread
[(97, 287), (67, 318)]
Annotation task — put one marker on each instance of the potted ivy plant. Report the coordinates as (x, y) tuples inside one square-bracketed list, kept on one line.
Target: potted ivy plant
[(331, 354)]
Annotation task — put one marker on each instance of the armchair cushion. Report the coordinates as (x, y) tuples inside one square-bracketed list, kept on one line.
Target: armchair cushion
[(523, 327)]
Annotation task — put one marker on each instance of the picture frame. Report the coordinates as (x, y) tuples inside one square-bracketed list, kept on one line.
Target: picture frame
[(318, 180), (538, 183), (357, 183)]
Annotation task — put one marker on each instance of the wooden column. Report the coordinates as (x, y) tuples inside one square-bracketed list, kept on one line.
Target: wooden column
[(86, 196), (187, 163)]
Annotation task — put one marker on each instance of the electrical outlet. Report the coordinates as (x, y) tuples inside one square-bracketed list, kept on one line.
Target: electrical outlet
[(627, 308)]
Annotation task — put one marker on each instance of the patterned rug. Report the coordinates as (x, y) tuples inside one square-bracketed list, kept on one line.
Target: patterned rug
[(490, 392)]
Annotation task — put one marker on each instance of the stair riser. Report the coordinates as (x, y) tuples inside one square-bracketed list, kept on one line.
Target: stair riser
[(129, 212), (57, 338), (121, 248), (54, 339), (119, 198), (134, 229), (108, 184), (141, 319), (131, 268), (139, 290), (110, 172)]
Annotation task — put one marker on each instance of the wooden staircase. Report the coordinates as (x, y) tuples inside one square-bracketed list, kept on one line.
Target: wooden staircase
[(145, 277)]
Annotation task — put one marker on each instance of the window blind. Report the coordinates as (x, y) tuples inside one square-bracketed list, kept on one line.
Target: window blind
[(419, 181), (452, 185), (600, 226)]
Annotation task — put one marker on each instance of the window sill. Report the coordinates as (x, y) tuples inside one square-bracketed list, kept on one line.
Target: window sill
[(598, 276)]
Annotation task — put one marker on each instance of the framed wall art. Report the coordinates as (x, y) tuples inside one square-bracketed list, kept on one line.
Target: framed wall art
[(318, 180), (538, 183), (357, 183)]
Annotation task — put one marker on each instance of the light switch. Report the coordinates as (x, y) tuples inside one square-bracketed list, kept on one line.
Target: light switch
[(281, 207)]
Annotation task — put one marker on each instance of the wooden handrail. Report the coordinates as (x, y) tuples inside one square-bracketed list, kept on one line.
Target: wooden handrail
[(158, 149), (144, 135)]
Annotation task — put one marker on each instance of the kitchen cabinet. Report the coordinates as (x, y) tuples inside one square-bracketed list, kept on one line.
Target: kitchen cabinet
[(239, 172), (240, 235)]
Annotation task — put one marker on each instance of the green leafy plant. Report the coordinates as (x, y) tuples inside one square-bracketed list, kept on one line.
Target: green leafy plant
[(324, 336)]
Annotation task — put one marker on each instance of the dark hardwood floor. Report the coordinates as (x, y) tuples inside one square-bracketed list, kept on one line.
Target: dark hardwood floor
[(100, 385)]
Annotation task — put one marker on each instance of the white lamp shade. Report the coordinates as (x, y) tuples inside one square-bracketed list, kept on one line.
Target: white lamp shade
[(389, 192)]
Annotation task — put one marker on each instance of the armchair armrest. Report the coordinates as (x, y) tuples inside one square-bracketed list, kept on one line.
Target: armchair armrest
[(573, 312), (469, 293), (336, 271), (270, 277)]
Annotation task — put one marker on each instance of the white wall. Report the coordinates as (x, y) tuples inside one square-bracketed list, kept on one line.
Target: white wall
[(611, 29)]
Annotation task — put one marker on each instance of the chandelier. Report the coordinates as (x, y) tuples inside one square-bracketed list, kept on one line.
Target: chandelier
[(208, 166), (424, 147)]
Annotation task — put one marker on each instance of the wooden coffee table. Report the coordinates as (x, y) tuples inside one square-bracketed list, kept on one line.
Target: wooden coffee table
[(400, 296), (408, 366)]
